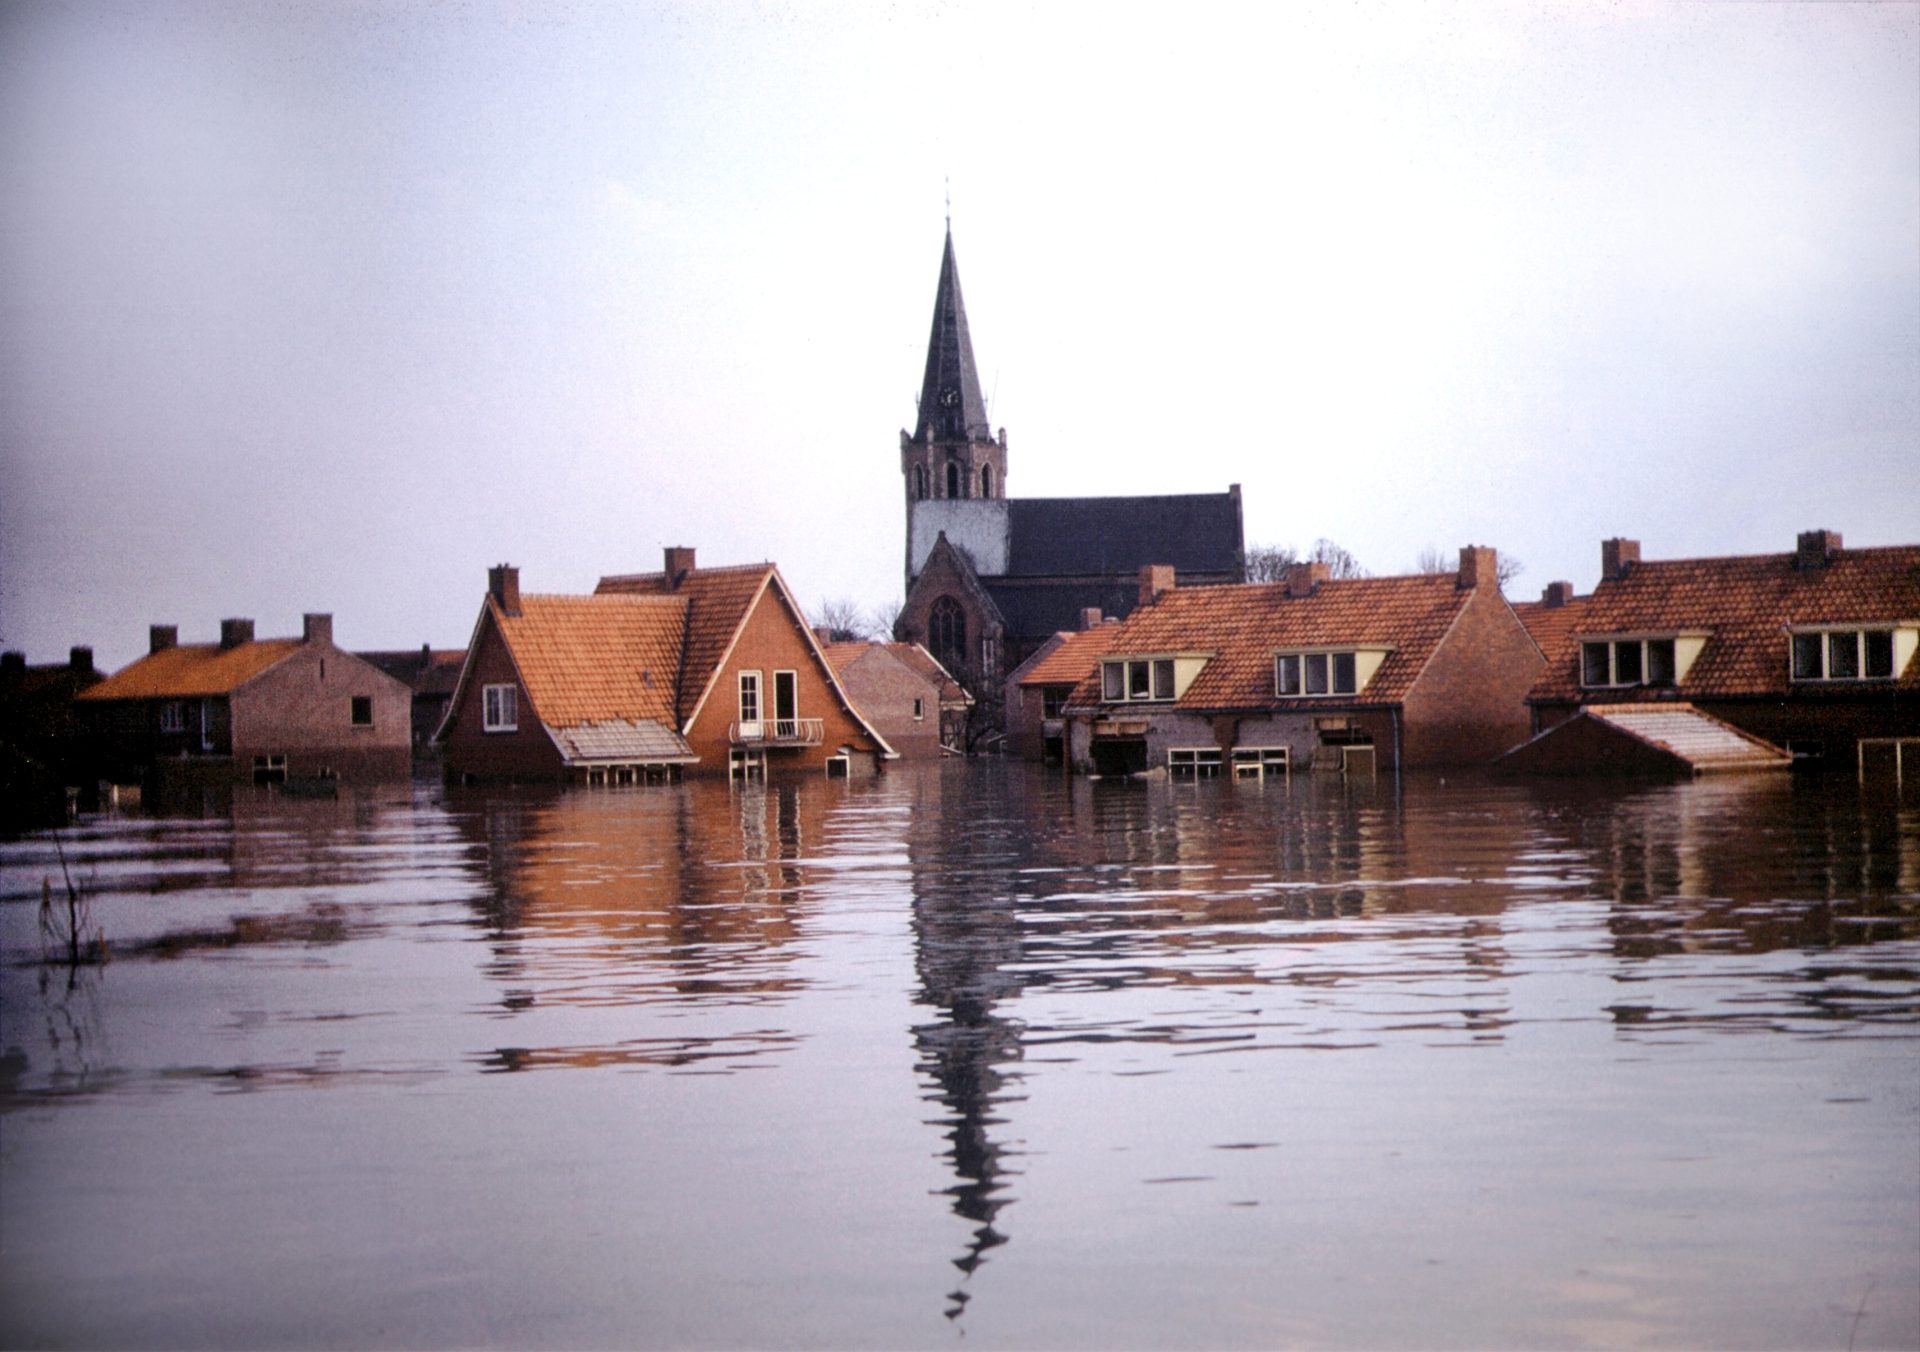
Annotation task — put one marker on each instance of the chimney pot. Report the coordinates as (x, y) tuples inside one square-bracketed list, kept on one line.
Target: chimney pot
[(233, 633), (1557, 594), (1155, 578), (1816, 548), (503, 585), (161, 637), (316, 628), (1617, 558)]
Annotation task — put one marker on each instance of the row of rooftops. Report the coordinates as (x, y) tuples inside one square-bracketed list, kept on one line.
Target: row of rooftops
[(1741, 608)]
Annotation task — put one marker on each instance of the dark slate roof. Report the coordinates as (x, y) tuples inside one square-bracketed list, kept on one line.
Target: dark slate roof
[(1198, 533), (950, 367), (1032, 610)]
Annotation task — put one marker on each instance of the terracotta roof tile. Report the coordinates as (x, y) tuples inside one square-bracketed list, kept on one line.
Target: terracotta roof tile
[(1072, 657), (1243, 626), (193, 669), (596, 659), (1746, 605), (719, 598)]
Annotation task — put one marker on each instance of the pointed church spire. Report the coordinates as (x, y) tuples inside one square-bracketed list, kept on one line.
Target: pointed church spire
[(951, 408)]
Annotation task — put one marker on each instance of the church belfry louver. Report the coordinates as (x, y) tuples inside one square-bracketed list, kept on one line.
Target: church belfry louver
[(951, 452)]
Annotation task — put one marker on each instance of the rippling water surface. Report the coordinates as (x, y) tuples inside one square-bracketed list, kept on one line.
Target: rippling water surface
[(973, 1056)]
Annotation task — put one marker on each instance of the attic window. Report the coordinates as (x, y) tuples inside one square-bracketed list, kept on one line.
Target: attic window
[(1329, 673), (1844, 655), (500, 708), (1140, 678)]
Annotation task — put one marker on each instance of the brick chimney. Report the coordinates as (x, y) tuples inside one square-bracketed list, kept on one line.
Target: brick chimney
[(13, 663), (1556, 594), (80, 658), (1816, 548), (503, 585), (1479, 567), (1090, 617), (161, 637), (1304, 579), (1155, 578), (1617, 557), (235, 632), (316, 628), (679, 564)]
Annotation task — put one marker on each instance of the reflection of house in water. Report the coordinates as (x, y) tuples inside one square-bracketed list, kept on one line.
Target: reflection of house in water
[(689, 894)]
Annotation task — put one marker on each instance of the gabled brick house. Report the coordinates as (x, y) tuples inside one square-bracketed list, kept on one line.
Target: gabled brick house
[(910, 698), (247, 710), (1812, 650), (1039, 688), (689, 670), (1424, 670)]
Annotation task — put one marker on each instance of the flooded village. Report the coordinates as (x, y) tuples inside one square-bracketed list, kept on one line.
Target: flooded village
[(1152, 941)]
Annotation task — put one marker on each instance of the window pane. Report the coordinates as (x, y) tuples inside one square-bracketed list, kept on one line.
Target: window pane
[(1660, 661), (1626, 663), (1593, 664), (1806, 657), (1879, 652), (1343, 668), (1316, 664), (1843, 656), (1138, 676), (1289, 675), (1113, 681), (1163, 679)]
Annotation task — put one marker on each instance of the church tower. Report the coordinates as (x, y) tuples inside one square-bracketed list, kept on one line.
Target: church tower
[(951, 452)]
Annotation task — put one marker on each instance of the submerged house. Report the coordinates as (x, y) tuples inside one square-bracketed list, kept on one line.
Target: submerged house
[(1812, 650), (1038, 689), (903, 692), (686, 671), (46, 744), (1356, 673), (247, 710)]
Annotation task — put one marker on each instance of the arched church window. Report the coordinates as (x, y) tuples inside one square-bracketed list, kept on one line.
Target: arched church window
[(947, 633), (953, 478), (986, 481), (919, 482)]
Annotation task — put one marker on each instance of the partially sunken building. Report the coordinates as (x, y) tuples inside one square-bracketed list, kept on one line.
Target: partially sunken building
[(990, 578)]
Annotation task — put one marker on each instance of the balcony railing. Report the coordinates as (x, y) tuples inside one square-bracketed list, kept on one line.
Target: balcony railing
[(778, 732)]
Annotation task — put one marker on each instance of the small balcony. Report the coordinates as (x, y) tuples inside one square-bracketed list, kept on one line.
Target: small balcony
[(778, 732)]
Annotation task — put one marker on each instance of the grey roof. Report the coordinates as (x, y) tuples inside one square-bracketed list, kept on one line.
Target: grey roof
[(1198, 533), (622, 741), (951, 408), (1031, 610)]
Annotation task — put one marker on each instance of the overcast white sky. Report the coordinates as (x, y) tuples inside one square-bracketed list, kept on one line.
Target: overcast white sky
[(330, 306)]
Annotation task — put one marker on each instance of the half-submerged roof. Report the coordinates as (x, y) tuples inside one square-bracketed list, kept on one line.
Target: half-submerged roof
[(951, 406), (597, 659), (1668, 739), (192, 670)]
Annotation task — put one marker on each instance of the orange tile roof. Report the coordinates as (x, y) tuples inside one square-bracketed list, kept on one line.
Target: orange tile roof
[(1548, 626), (1244, 626), (720, 599), (191, 670), (1072, 657), (1745, 604), (592, 659)]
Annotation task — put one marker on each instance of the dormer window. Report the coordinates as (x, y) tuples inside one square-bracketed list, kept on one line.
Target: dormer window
[(1337, 671), (1140, 678), (1623, 661), (1845, 654)]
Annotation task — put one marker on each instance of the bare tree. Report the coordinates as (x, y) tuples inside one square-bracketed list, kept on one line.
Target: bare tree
[(1267, 563), (884, 617), (1339, 563), (1431, 560), (842, 620)]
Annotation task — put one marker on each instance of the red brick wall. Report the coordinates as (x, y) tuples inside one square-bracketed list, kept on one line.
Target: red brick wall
[(774, 639), (885, 688), (527, 753), (1469, 705), (302, 708)]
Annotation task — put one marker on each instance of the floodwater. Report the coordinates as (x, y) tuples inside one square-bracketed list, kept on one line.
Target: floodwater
[(973, 1057)]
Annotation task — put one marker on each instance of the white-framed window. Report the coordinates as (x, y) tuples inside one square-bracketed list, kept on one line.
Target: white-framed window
[(1844, 655), (362, 711), (1621, 662), (839, 765), (1194, 762), (1137, 678), (499, 708), (173, 716), (749, 697), (919, 710), (1256, 762), (1323, 673)]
